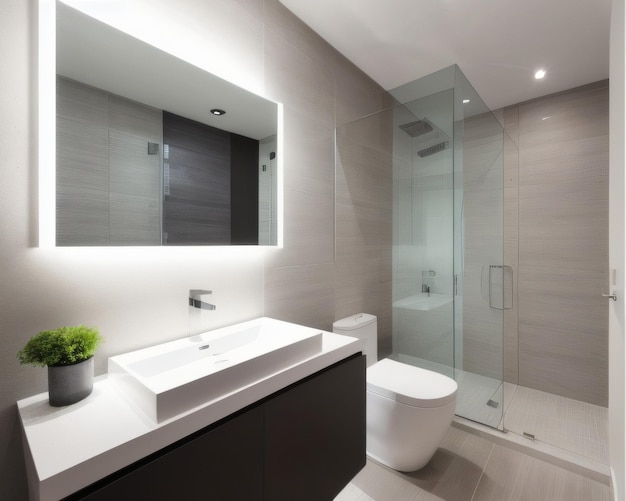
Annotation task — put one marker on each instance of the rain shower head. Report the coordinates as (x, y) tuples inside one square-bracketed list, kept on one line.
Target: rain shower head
[(417, 128), (429, 139), (431, 150)]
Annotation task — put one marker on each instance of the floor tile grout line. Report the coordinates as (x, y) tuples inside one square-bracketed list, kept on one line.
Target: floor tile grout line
[(482, 473)]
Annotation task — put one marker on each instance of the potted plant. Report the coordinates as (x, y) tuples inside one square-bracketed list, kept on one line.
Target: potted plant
[(68, 354)]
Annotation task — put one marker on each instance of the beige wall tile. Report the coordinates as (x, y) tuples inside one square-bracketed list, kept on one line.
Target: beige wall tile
[(555, 238), (356, 97), (563, 239), (363, 222), (304, 283), (299, 81), (563, 362), (483, 154), (309, 193), (301, 294), (364, 285)]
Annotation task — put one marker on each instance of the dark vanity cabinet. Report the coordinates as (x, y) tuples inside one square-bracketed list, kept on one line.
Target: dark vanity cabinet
[(305, 442), (224, 462), (315, 435)]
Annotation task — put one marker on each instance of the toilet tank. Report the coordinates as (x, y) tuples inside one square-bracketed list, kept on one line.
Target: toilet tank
[(364, 327)]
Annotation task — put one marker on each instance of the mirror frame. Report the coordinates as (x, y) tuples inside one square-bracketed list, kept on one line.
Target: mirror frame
[(46, 107)]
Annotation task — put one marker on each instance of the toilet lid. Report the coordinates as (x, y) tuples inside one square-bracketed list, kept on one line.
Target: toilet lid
[(410, 385)]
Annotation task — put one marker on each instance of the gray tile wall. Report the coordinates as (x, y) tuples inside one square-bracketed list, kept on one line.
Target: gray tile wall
[(562, 344), (82, 140), (116, 199), (363, 223), (310, 280), (483, 245)]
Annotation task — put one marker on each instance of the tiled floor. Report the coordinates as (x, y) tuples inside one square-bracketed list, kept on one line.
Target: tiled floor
[(571, 425), (568, 424), (467, 467)]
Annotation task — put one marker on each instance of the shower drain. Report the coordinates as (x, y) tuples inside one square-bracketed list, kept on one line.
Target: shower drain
[(493, 403)]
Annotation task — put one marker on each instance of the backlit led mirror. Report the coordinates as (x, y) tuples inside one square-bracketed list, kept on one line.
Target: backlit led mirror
[(143, 158)]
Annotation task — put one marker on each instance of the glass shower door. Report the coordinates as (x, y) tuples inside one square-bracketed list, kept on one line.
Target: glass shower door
[(483, 284)]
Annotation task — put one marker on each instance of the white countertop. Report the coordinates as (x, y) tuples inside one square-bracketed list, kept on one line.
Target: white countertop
[(68, 448)]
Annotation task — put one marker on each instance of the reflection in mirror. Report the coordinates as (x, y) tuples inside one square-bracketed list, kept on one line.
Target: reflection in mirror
[(142, 159)]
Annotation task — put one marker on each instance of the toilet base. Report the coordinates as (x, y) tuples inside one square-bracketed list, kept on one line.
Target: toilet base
[(384, 463), (403, 437)]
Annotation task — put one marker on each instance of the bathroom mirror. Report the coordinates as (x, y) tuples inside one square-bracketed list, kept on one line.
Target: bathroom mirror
[(142, 155)]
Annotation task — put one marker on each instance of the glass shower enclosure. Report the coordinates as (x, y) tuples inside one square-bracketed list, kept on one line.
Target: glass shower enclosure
[(450, 286)]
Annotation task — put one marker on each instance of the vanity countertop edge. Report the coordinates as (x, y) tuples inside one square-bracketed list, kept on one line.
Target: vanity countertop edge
[(68, 448)]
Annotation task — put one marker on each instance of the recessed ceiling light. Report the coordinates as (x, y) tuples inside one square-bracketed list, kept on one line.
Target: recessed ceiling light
[(218, 112), (465, 101), (539, 74)]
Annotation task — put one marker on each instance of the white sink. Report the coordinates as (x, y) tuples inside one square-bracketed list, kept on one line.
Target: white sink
[(423, 301), (174, 377)]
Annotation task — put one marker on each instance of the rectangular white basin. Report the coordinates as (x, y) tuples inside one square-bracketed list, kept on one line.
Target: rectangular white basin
[(174, 377)]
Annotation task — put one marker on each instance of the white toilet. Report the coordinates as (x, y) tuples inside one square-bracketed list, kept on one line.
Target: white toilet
[(409, 409)]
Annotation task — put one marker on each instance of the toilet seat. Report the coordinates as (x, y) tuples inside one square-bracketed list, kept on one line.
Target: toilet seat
[(410, 385)]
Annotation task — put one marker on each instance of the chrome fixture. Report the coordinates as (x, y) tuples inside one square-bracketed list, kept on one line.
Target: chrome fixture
[(500, 286), (196, 305), (429, 139), (612, 296), (428, 277), (195, 302)]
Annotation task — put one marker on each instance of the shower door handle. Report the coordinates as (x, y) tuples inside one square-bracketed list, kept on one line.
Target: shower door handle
[(612, 296), (500, 287)]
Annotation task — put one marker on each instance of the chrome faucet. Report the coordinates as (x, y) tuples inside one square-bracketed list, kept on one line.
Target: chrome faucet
[(428, 277), (195, 302), (196, 305)]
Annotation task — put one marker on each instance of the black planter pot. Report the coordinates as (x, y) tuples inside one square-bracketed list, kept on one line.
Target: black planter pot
[(68, 384)]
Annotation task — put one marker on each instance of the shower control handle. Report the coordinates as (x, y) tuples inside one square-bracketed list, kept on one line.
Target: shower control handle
[(613, 296)]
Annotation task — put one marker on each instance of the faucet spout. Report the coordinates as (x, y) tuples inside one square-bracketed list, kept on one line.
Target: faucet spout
[(201, 305), (196, 305), (196, 302)]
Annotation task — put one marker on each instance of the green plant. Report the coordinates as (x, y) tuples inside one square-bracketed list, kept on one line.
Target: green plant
[(62, 346)]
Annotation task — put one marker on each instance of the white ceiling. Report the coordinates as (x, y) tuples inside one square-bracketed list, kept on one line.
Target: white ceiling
[(498, 44)]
